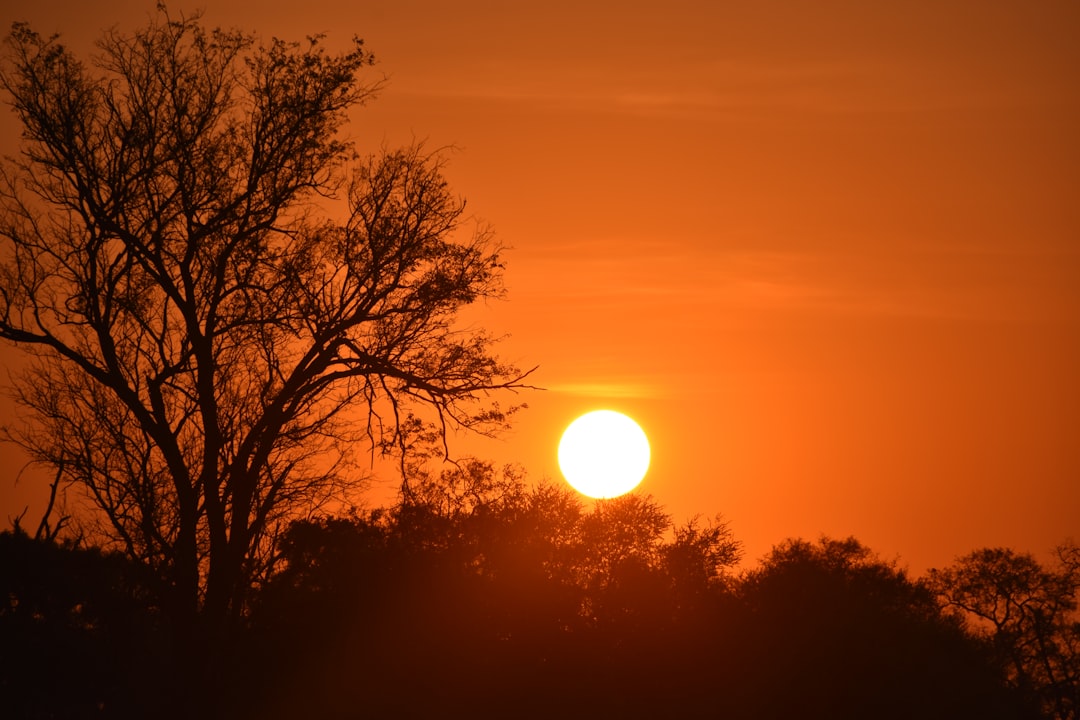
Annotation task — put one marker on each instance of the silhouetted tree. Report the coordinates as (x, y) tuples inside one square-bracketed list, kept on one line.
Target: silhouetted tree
[(79, 633), (205, 346), (700, 556), (831, 630), (479, 594), (621, 531), (1028, 612)]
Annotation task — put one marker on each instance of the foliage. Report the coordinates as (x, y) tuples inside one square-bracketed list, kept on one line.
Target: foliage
[(833, 630), (477, 594), (700, 552), (1028, 612), (474, 586), (79, 633), (206, 344), (455, 606)]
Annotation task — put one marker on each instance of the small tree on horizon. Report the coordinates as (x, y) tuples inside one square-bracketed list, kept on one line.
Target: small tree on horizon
[(1029, 612), (205, 342)]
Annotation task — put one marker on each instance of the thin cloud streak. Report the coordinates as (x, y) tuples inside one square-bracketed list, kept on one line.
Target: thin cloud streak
[(722, 87), (835, 284), (619, 391)]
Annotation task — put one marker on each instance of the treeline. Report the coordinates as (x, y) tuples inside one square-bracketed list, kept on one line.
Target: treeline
[(478, 595)]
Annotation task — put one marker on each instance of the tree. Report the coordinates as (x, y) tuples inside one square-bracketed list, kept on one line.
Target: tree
[(831, 630), (1028, 612), (476, 591), (206, 340), (700, 554), (79, 632)]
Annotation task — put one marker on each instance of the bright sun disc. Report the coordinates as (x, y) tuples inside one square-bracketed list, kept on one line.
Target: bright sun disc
[(604, 454)]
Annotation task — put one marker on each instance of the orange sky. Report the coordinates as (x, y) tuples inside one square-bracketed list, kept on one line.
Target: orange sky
[(827, 253)]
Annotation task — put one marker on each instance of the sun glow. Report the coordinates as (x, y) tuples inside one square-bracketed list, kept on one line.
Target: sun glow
[(604, 454)]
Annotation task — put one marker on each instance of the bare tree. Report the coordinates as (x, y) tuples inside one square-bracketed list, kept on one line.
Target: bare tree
[(207, 340)]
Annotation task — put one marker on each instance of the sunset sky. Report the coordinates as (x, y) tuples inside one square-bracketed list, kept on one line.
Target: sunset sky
[(826, 253)]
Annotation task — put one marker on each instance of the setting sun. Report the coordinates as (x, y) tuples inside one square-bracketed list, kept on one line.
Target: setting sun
[(604, 454)]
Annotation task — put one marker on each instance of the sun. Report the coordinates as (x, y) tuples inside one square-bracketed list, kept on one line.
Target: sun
[(604, 454)]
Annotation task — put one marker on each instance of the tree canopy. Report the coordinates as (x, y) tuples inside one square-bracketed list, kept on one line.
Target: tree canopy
[(479, 594), (220, 300), (1028, 612)]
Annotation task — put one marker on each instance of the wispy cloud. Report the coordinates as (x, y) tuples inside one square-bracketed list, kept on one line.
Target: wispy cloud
[(612, 390), (707, 84), (608, 279), (724, 87)]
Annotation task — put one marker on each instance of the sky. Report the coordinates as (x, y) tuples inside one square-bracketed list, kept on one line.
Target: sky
[(826, 253)]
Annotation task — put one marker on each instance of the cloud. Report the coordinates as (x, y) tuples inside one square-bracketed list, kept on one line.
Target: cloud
[(613, 390), (708, 87), (617, 280)]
